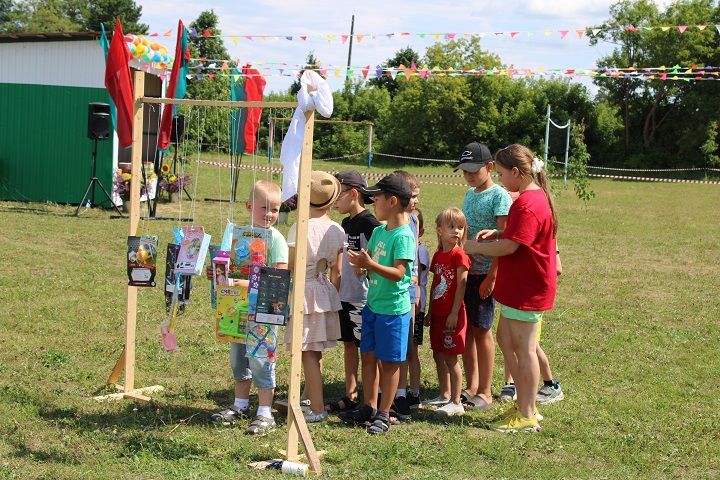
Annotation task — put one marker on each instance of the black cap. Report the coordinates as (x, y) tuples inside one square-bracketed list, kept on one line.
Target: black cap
[(357, 181), (474, 156), (392, 184)]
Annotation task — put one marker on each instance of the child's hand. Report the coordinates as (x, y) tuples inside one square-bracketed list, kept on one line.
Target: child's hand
[(487, 235), (426, 320), (486, 287), (451, 321), (359, 259)]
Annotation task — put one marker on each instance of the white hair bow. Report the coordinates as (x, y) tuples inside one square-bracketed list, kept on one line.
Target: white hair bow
[(537, 165)]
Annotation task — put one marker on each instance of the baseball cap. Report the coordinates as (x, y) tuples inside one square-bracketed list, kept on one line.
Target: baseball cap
[(474, 156), (357, 181), (392, 184)]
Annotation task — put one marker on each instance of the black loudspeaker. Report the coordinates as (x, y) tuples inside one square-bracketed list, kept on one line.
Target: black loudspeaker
[(98, 121), (178, 128)]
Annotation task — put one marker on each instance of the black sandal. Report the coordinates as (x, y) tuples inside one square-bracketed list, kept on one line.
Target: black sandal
[(343, 405), (360, 416), (379, 425)]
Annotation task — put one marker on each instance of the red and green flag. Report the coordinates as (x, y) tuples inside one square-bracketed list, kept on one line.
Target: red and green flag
[(177, 86)]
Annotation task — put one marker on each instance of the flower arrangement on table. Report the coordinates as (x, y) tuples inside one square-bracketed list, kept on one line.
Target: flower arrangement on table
[(171, 183), (121, 184)]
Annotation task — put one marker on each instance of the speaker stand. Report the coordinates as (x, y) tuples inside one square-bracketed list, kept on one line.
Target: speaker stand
[(93, 181)]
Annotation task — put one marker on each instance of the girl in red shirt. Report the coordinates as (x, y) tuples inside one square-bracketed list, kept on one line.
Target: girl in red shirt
[(527, 278), (447, 319)]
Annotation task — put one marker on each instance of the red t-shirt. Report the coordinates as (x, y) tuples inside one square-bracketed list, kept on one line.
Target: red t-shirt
[(527, 279), (444, 267)]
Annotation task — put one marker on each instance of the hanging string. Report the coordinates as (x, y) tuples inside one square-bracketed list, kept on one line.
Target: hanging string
[(201, 126)]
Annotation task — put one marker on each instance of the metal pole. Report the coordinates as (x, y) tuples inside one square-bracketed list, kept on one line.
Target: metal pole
[(271, 139), (547, 133), (567, 150), (370, 137), (347, 71)]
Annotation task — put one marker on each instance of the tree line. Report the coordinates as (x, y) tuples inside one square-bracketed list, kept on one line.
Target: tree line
[(627, 122)]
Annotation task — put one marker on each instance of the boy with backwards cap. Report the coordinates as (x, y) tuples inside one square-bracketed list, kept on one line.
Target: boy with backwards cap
[(386, 317)]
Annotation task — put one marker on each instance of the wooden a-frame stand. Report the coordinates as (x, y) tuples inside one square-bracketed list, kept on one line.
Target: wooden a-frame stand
[(297, 428)]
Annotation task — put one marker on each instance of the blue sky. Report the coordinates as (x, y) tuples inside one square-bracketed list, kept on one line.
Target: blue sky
[(277, 17)]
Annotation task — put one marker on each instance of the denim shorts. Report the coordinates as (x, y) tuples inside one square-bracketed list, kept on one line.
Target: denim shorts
[(260, 370), (480, 311), (386, 335)]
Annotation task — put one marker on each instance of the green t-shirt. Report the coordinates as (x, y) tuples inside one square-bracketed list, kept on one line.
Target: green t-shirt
[(481, 210), (386, 246)]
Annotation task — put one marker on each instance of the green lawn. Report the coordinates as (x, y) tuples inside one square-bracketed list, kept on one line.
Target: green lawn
[(633, 339)]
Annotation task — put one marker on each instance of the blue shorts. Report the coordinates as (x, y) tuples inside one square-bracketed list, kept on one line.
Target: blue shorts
[(386, 335), (260, 370), (480, 311)]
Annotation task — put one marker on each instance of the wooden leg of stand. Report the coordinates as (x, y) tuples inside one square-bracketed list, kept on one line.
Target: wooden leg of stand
[(117, 369), (308, 446)]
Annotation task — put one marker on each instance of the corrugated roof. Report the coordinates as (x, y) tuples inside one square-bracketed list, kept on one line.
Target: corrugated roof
[(47, 36)]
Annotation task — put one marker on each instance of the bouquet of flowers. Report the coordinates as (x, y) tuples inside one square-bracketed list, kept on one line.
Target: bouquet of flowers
[(171, 183), (289, 205), (121, 184)]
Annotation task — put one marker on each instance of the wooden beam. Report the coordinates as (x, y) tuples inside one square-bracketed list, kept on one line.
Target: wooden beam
[(298, 292), (344, 122), (216, 103), (115, 374), (131, 307), (312, 456)]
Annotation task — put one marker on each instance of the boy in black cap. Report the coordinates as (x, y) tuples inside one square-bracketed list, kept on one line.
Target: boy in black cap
[(386, 317), (358, 226)]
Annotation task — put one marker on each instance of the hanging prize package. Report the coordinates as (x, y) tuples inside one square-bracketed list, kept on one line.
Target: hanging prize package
[(248, 247), (269, 292), (193, 250), (173, 250), (141, 260), (231, 314)]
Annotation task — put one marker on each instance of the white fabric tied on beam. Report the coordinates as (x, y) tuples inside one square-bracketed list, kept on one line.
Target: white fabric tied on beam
[(314, 94)]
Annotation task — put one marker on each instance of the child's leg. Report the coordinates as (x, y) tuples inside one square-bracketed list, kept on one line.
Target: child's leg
[(544, 363), (455, 374), (405, 366), (443, 375), (470, 363), (527, 375), (485, 345), (415, 369), (389, 379), (241, 372), (505, 343), (313, 379), (351, 359)]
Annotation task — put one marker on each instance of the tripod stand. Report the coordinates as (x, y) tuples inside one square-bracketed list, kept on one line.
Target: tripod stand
[(95, 180)]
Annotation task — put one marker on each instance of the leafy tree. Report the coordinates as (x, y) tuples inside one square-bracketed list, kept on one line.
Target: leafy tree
[(578, 162), (710, 147), (406, 56), (461, 54), (215, 125), (11, 15), (311, 62), (96, 12)]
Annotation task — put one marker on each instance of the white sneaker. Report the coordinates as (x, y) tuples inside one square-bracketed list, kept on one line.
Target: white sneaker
[(313, 417), (437, 401), (451, 409)]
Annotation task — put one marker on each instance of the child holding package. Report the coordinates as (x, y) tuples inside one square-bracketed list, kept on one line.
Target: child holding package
[(527, 274), (486, 206), (386, 317), (446, 316), (321, 323), (358, 227), (264, 206)]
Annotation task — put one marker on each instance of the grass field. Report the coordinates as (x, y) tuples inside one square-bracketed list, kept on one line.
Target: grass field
[(633, 339)]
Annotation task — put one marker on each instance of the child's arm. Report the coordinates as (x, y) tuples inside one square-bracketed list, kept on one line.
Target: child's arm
[(487, 285), (500, 248), (363, 260), (452, 318), (280, 265), (336, 271)]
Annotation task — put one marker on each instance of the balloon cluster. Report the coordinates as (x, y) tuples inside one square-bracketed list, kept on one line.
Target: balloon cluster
[(147, 51)]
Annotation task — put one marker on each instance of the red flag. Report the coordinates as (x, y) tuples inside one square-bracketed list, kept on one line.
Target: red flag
[(254, 87), (119, 84)]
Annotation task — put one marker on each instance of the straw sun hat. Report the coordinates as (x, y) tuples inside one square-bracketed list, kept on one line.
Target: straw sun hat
[(324, 189)]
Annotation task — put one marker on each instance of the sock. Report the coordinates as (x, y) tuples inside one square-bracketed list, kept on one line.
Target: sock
[(242, 403), (414, 392), (400, 392), (549, 383), (264, 411)]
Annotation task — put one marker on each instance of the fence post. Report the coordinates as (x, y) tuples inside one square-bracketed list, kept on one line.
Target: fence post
[(370, 137)]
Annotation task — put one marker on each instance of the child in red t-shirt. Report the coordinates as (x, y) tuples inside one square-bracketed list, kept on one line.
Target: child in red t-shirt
[(447, 319), (527, 273)]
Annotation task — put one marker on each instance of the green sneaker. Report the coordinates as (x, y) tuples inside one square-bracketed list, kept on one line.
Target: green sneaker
[(549, 394), (516, 423)]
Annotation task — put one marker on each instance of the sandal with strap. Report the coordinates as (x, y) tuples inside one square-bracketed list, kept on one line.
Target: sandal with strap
[(230, 415), (261, 426), (343, 405), (379, 425), (360, 416)]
